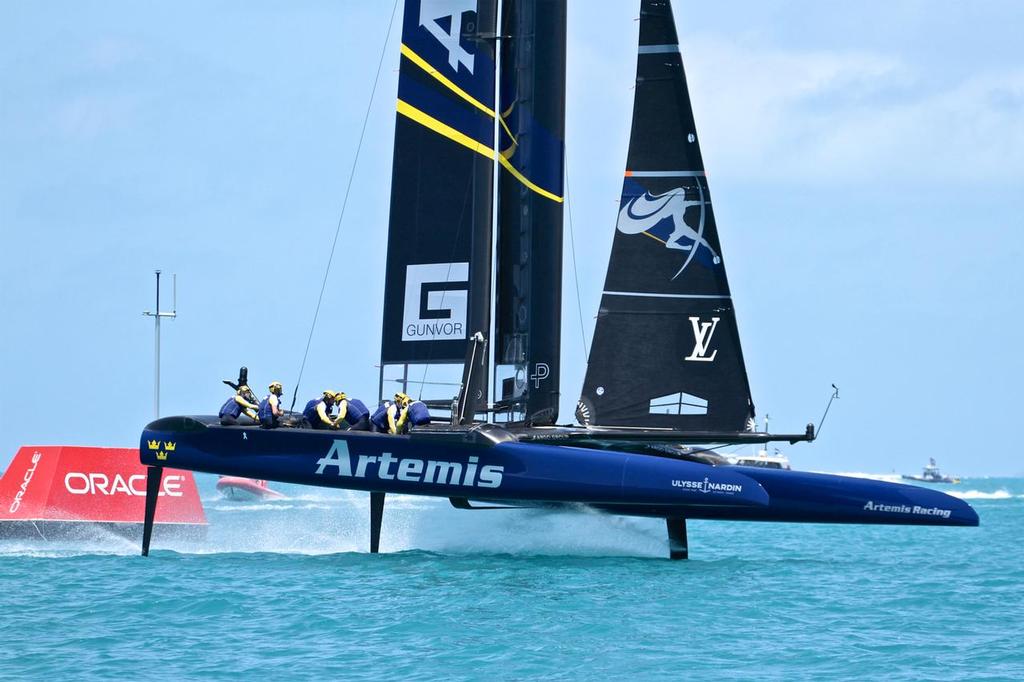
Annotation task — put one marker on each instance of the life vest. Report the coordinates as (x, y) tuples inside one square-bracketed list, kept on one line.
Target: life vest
[(266, 411), (310, 412), (356, 410), (380, 417), (231, 408), (419, 415)]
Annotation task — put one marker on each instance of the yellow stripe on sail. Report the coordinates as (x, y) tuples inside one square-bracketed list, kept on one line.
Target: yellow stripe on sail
[(523, 179), (437, 75), (431, 71), (515, 142), (409, 111)]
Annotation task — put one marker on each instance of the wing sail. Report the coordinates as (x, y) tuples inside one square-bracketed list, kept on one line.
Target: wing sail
[(437, 294), (531, 148)]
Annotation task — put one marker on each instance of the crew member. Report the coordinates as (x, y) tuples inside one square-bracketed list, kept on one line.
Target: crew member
[(351, 411), (379, 419), (240, 403), (392, 417), (418, 413), (270, 410), (318, 411)]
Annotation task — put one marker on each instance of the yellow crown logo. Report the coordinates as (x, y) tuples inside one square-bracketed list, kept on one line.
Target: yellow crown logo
[(169, 447), (154, 445), (161, 455)]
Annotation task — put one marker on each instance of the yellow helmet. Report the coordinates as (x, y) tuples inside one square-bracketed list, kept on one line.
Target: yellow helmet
[(329, 395), (402, 399), (340, 395)]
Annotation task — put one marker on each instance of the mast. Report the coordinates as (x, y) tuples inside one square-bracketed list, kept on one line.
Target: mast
[(156, 314), (666, 350), (437, 292), (530, 190)]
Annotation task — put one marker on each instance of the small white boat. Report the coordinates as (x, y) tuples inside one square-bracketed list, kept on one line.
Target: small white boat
[(931, 474), (762, 459)]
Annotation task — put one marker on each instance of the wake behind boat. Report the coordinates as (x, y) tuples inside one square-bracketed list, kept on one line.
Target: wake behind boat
[(665, 378)]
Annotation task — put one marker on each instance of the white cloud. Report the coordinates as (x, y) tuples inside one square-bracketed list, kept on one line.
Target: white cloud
[(851, 117), (86, 116)]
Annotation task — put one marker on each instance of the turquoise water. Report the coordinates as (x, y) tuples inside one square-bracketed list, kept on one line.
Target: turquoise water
[(285, 590)]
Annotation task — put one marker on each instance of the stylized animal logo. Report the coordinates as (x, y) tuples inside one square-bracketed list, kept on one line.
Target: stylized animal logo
[(644, 212)]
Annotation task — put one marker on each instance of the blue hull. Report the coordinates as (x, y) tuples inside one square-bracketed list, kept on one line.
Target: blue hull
[(461, 464), (448, 467), (802, 497)]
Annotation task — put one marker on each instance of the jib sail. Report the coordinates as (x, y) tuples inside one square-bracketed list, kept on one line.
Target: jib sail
[(531, 153), (437, 294), (666, 349)]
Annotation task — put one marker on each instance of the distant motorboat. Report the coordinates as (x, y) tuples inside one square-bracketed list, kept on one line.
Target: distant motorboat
[(762, 459), (239, 488), (931, 474)]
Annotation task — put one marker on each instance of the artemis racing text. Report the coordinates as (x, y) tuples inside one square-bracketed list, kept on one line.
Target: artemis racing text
[(411, 470), (907, 509)]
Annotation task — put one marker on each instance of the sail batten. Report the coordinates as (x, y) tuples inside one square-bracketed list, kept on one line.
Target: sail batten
[(666, 328)]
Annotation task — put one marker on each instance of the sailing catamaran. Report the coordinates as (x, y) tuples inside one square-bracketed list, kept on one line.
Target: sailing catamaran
[(666, 368)]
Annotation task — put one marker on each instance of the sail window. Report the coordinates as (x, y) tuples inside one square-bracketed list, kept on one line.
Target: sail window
[(679, 403)]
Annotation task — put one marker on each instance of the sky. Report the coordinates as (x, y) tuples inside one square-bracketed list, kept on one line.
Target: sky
[(866, 162)]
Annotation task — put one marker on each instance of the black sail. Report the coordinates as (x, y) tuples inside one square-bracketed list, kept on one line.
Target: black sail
[(437, 294), (531, 148), (666, 350)]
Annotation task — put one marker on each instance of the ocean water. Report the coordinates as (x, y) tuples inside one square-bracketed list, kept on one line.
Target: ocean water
[(286, 590)]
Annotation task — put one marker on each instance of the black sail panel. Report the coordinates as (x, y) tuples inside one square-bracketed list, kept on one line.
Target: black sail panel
[(666, 349), (531, 152), (437, 293)]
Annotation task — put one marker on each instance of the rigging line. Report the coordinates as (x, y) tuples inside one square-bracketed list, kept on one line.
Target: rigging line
[(572, 248), (344, 202)]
